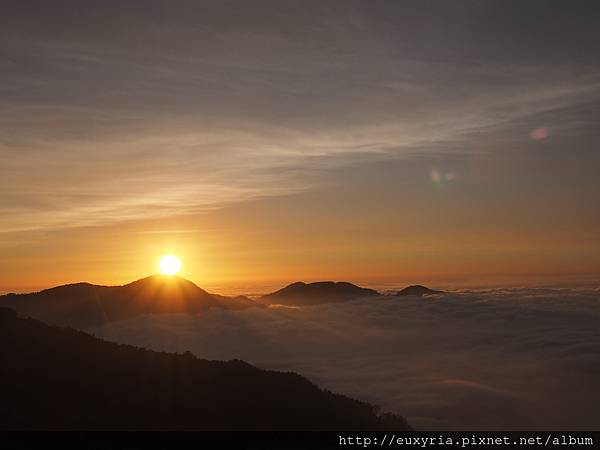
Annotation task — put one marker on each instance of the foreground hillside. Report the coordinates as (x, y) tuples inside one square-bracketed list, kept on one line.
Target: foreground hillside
[(54, 378)]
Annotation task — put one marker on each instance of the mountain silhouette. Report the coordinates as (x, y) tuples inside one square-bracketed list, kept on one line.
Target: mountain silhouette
[(418, 291), (302, 294), (84, 304), (62, 379)]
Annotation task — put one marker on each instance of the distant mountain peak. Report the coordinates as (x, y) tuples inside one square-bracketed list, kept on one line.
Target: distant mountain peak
[(301, 293), (159, 277), (417, 290), (85, 304), (163, 279), (165, 282)]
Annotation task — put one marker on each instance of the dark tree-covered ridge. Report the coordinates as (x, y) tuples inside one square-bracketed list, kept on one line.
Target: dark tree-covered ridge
[(62, 379)]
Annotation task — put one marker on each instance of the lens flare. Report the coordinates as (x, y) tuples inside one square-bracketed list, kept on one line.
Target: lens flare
[(538, 134), (440, 178)]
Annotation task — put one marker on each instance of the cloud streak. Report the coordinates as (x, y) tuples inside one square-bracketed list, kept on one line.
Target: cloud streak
[(162, 172), (154, 114)]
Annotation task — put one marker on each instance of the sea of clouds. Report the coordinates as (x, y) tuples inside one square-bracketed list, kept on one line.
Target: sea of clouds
[(497, 359)]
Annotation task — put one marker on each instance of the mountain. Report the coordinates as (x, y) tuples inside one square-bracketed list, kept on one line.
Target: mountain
[(302, 294), (85, 304), (62, 379), (417, 290)]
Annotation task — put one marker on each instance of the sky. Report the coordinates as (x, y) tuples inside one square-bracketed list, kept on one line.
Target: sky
[(382, 142)]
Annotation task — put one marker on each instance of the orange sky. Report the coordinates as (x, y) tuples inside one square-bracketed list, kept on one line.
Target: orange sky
[(261, 245)]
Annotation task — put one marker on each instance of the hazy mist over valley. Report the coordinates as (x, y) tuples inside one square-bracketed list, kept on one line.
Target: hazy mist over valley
[(496, 359)]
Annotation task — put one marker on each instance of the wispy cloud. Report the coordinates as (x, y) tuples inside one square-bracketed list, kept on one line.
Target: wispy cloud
[(171, 116), (179, 168)]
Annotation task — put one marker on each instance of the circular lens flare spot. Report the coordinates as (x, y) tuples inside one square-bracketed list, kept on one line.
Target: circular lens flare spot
[(540, 133), (170, 265)]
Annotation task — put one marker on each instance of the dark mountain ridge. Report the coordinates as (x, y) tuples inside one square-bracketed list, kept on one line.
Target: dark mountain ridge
[(61, 379), (82, 305), (85, 304), (418, 291), (304, 294)]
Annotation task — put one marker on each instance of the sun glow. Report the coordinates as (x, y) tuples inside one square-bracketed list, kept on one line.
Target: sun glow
[(169, 265)]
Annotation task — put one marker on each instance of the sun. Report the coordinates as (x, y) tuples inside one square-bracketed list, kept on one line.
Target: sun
[(169, 265)]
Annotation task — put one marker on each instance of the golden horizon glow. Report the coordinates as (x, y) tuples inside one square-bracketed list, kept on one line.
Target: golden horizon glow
[(170, 265)]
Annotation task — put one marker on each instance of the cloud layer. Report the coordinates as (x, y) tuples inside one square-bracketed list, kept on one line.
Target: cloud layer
[(508, 359)]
